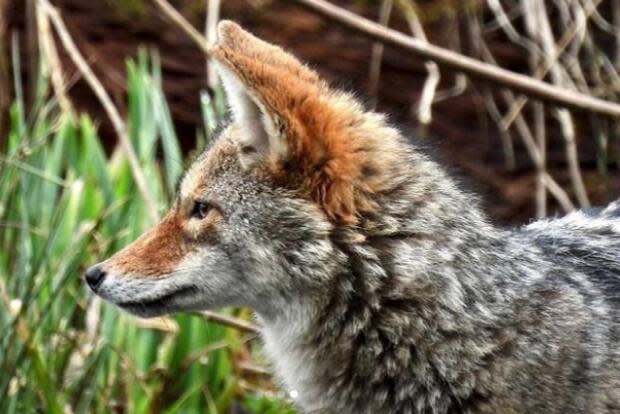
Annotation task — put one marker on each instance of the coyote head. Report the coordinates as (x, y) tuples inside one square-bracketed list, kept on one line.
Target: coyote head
[(259, 215)]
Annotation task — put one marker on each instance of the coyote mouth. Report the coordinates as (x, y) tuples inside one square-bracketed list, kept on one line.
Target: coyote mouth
[(152, 307)]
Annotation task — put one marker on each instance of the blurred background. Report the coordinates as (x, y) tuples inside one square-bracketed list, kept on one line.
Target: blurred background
[(103, 102)]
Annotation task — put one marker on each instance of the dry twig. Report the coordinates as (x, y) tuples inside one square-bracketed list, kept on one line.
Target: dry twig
[(522, 127), (51, 61), (377, 53), (449, 59), (229, 321), (539, 27), (106, 102), (549, 63), (182, 23), (213, 16), (541, 140), (5, 96), (429, 91), (515, 81)]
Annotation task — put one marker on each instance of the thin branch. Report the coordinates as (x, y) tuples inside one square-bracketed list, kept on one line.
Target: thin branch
[(458, 88), (213, 15), (503, 22), (538, 112), (616, 20), (253, 369), (229, 321), (51, 61), (507, 142), (541, 139), (429, 91), (162, 324), (33, 50), (376, 59), (5, 96), (106, 102), (481, 49), (549, 63), (180, 21), (539, 27), (523, 129), (572, 158), (559, 194), (515, 81)]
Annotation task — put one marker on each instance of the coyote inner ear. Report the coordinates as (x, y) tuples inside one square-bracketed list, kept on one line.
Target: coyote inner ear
[(264, 86), (290, 118), (249, 113)]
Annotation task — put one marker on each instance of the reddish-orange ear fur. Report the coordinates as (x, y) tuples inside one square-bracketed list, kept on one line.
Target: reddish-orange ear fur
[(325, 158), (232, 37)]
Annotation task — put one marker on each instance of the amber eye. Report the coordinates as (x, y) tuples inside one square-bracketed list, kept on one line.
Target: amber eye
[(200, 210)]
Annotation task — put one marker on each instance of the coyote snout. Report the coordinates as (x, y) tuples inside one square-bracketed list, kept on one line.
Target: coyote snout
[(379, 284), (177, 265)]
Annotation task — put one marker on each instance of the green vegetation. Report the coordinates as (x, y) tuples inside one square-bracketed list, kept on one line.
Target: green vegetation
[(65, 204)]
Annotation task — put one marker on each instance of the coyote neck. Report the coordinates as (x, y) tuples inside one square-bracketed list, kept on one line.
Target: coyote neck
[(401, 305)]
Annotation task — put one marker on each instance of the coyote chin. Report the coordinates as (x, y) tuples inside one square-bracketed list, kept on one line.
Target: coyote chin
[(379, 285)]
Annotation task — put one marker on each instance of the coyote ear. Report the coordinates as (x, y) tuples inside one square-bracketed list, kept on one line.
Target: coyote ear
[(302, 132), (261, 82), (257, 125), (231, 36)]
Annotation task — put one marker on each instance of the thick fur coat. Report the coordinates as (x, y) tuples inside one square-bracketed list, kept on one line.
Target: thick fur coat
[(379, 284)]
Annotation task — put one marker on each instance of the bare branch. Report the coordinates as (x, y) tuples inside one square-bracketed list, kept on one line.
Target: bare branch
[(539, 27), (213, 15), (253, 369), (5, 96), (559, 194), (524, 130), (184, 25), (549, 63), (572, 158), (429, 91), (507, 143), (106, 102), (377, 53), (229, 321), (515, 81), (541, 140), (51, 61)]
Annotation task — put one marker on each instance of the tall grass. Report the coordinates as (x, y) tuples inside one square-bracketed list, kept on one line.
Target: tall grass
[(65, 204)]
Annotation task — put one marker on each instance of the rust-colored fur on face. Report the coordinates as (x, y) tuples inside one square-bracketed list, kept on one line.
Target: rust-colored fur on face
[(156, 252)]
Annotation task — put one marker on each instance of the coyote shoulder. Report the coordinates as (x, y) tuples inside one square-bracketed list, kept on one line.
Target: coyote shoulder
[(379, 284)]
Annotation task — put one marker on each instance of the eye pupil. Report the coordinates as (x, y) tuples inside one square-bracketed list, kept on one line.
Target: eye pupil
[(200, 210)]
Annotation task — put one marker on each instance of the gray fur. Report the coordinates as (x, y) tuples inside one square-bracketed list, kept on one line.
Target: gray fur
[(441, 312), (424, 307)]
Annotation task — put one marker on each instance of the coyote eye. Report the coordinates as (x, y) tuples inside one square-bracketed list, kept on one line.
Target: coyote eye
[(200, 210)]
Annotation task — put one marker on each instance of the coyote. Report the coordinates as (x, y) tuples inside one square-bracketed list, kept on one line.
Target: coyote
[(379, 285)]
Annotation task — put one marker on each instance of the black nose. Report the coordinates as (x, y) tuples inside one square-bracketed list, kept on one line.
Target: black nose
[(94, 276)]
